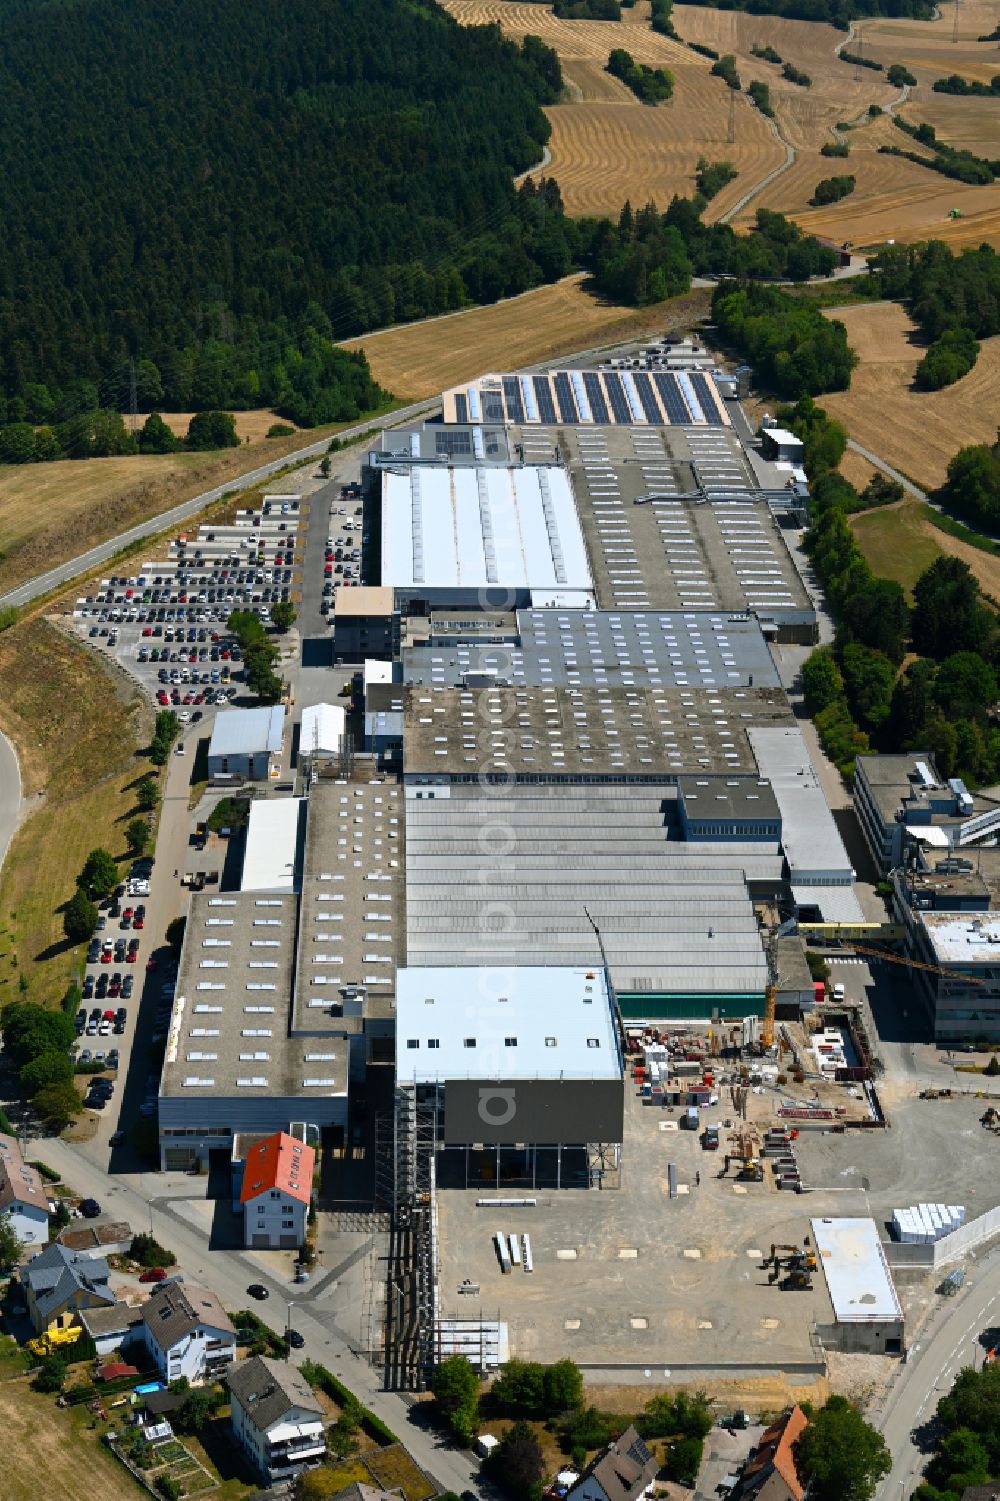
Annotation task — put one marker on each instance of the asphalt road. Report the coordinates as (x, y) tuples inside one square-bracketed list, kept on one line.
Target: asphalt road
[(950, 1343), (10, 794), (85, 562), (157, 1199)]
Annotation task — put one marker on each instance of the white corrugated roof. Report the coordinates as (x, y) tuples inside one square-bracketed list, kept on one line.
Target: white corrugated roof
[(474, 527)]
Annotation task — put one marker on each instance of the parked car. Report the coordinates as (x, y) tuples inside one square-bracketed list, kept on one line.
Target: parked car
[(90, 1209), (257, 1290), (153, 1274)]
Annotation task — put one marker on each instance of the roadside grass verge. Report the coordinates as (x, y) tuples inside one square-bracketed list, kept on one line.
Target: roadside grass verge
[(961, 531), (77, 727)]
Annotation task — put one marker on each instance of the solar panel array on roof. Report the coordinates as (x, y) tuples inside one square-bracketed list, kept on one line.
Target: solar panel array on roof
[(616, 396), (670, 396), (492, 406), (622, 398), (564, 395), (595, 395), (512, 398), (650, 406), (543, 395), (706, 394)]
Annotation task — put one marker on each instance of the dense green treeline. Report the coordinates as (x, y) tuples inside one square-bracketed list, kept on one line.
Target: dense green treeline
[(854, 689), (950, 161), (647, 255), (650, 85), (966, 1432), (955, 300), (212, 187), (972, 489), (955, 84), (794, 350)]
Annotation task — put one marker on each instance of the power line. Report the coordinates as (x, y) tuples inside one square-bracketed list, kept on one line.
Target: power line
[(731, 137)]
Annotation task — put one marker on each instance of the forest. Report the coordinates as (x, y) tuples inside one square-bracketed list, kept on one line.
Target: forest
[(219, 190), (647, 255), (794, 350), (854, 689)]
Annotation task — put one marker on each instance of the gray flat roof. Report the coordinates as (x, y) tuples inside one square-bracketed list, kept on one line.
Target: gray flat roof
[(594, 731), (674, 520), (810, 838), (247, 732), (672, 915), (728, 797), (856, 1271), (229, 1028), (618, 648), (352, 923)]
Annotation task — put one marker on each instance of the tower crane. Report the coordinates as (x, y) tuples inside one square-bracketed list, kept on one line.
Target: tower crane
[(771, 993)]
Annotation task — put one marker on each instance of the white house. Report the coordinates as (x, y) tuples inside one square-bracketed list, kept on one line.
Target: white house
[(277, 1187), (22, 1197), (187, 1332), (322, 735), (277, 1421), (624, 1472)]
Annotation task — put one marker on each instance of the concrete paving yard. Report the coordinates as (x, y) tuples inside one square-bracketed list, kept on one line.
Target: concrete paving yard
[(629, 1278)]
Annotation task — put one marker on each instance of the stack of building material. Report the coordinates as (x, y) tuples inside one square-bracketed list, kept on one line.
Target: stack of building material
[(922, 1224)]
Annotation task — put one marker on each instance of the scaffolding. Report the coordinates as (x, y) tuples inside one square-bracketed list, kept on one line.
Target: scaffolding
[(406, 1142)]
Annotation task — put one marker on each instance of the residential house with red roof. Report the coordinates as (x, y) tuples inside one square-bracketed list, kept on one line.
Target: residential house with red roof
[(276, 1191), (770, 1473)]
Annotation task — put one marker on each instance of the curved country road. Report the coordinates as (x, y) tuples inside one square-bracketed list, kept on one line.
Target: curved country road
[(10, 794)]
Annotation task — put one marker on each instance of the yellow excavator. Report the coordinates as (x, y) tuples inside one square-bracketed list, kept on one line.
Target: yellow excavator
[(60, 1333)]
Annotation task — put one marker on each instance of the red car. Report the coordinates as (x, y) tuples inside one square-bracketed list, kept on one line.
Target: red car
[(154, 1274), (137, 921), (133, 952), (108, 1016)]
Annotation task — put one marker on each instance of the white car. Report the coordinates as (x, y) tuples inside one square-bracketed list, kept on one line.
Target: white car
[(183, 715)]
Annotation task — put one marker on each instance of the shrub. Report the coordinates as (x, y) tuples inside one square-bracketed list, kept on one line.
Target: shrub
[(280, 430), (148, 1252)]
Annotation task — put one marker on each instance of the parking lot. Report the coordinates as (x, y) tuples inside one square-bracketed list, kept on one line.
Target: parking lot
[(165, 623)]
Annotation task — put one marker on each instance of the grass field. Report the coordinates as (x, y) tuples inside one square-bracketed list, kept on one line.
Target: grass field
[(916, 432), (76, 727), (49, 512), (53, 1452), (898, 543), (251, 427), (420, 359)]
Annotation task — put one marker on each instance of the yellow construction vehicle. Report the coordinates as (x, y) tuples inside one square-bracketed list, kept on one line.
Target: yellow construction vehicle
[(60, 1332), (745, 1152), (797, 1280)]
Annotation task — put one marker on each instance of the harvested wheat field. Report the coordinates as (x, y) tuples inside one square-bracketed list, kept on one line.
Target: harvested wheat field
[(605, 145), (251, 427), (604, 152), (590, 41), (893, 199), (49, 512), (804, 116), (420, 359), (916, 432)]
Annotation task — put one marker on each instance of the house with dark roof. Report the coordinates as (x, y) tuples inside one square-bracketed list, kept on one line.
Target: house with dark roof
[(23, 1199), (59, 1281), (276, 1417), (770, 1473), (624, 1472), (187, 1332), (990, 1492), (276, 1190)]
